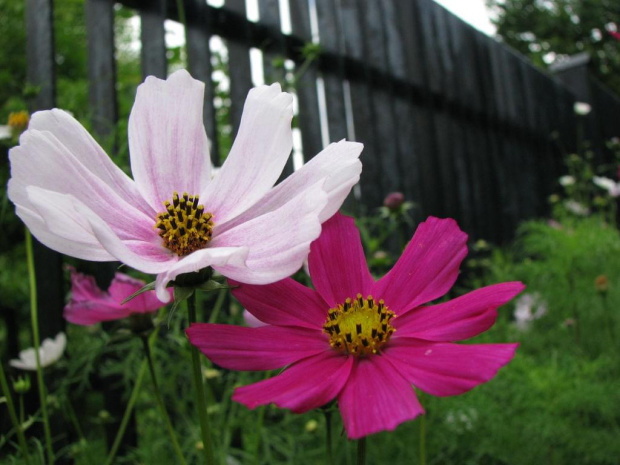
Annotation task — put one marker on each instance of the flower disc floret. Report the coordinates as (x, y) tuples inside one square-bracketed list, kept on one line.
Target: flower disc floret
[(184, 226), (359, 326)]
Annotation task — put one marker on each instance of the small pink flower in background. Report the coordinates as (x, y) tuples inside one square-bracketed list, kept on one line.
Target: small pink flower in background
[(90, 305), (173, 218), (614, 34), (394, 200), (50, 352), (612, 187), (361, 341)]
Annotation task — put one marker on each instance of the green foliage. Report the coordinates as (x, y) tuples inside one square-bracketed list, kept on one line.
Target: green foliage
[(543, 30)]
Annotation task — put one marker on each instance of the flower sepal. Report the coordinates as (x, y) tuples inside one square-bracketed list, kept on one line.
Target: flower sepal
[(145, 288)]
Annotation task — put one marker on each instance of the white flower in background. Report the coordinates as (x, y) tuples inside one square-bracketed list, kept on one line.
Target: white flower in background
[(50, 351), (576, 208), (529, 307), (612, 187), (567, 180), (581, 108), (5, 132)]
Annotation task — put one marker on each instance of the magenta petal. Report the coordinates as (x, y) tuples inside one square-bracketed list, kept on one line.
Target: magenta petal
[(376, 398), (123, 286), (305, 385), (428, 267), (337, 262), (283, 303), (264, 348), (457, 319), (445, 369)]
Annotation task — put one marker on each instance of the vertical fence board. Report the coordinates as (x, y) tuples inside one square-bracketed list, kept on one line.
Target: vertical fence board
[(197, 35), (239, 70), (40, 72), (305, 87), (269, 13), (371, 193), (153, 39)]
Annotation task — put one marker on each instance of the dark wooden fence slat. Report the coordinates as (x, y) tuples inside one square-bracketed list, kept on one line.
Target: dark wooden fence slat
[(239, 70), (269, 14), (153, 39), (197, 34), (305, 87)]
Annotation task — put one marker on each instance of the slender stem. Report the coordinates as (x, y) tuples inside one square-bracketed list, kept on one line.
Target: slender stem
[(160, 403), (422, 440), (218, 305), (361, 451), (16, 423), (130, 405), (74, 419), (183, 21), (21, 408), (328, 436), (199, 386), (37, 345)]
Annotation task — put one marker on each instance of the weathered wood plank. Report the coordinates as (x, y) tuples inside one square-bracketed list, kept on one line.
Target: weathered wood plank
[(305, 87), (153, 39)]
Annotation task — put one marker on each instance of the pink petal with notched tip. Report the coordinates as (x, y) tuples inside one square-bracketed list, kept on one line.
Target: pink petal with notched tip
[(283, 303), (264, 348), (428, 267), (445, 369), (167, 140), (460, 318), (305, 385), (376, 398), (337, 262), (258, 155)]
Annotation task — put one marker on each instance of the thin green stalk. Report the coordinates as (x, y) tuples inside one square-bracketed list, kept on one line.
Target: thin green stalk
[(37, 344), (422, 440), (74, 420), (328, 437), (130, 405), (183, 21), (160, 403), (361, 451), (199, 386), (16, 423), (218, 305)]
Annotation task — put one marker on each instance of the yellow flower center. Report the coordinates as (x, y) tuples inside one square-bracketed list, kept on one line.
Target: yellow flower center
[(18, 121), (360, 326), (184, 226)]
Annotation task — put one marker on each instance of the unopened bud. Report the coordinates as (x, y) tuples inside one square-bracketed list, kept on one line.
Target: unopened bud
[(601, 283), (394, 200), (21, 385)]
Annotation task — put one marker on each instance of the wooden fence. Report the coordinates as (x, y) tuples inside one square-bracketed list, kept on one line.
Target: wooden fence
[(458, 122)]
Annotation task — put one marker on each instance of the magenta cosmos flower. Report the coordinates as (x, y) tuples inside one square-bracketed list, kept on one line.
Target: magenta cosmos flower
[(361, 341), (90, 305), (173, 218)]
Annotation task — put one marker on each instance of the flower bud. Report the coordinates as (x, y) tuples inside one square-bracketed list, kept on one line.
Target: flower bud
[(21, 385), (394, 200), (601, 283)]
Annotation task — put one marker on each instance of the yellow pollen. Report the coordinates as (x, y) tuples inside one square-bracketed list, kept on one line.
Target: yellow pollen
[(18, 121), (359, 326), (185, 226)]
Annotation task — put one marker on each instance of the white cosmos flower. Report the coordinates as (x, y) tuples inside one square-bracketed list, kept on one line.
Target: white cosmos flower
[(49, 353), (612, 187), (582, 108), (76, 201)]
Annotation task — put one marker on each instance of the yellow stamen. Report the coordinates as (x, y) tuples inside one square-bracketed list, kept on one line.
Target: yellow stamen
[(184, 226), (359, 326)]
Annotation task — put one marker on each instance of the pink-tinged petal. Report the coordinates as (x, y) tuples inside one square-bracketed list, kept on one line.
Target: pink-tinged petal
[(251, 321), (77, 141), (337, 262), (196, 261), (457, 319), (167, 141), (445, 369), (90, 313), (305, 385), (278, 241), (43, 161), (283, 303), (376, 398), (428, 267), (339, 168), (123, 286), (258, 155), (264, 348)]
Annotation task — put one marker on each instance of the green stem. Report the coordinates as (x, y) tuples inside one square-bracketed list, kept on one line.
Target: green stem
[(422, 440), (218, 305), (130, 405), (74, 419), (21, 408), (160, 403), (183, 21), (17, 425), (361, 451), (37, 344), (328, 437), (199, 386)]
